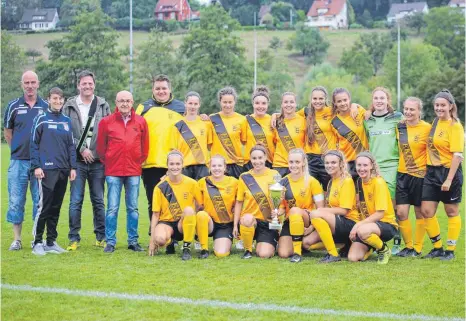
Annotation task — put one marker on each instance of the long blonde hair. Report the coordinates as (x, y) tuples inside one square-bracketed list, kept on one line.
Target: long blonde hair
[(301, 152), (311, 115), (375, 171)]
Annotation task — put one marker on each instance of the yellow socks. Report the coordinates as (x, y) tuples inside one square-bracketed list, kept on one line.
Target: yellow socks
[(419, 234), (325, 234), (406, 232), (454, 227), (247, 235), (202, 229), (221, 254), (189, 228), (433, 230), (317, 246), (374, 241), (296, 232)]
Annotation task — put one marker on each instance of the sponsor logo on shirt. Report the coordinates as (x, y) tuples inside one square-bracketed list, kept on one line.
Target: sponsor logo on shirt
[(52, 126), (22, 111), (380, 132), (66, 127), (48, 163)]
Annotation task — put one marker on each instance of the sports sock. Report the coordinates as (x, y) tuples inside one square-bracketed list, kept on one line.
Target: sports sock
[(317, 246), (296, 231), (407, 232), (189, 228), (433, 230), (247, 235), (221, 254), (202, 229), (374, 241), (454, 228), (325, 234), (419, 234)]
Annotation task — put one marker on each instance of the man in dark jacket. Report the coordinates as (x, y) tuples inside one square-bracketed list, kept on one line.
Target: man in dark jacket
[(86, 110), (122, 145)]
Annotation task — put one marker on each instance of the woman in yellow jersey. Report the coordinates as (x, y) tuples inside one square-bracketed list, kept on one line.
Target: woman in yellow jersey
[(216, 220), (192, 137), (351, 135), (257, 129), (378, 224), (174, 208), (333, 223), (228, 132), (303, 193), (289, 134), (444, 177), (253, 209), (412, 135)]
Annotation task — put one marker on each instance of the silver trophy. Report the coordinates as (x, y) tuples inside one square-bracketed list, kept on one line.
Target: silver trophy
[(276, 191)]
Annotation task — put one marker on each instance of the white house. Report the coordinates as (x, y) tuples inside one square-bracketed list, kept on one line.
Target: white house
[(458, 4), (328, 14), (400, 10), (39, 19)]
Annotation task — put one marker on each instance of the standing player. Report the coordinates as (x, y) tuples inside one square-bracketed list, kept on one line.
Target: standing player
[(444, 177), (253, 210), (412, 137), (228, 132), (192, 137), (378, 224), (334, 222), (174, 208), (303, 193), (219, 195)]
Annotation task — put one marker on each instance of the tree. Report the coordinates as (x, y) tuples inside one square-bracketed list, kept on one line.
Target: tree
[(366, 19), (71, 9), (416, 21), (311, 44), (275, 43), (350, 12), (432, 82), (445, 30), (92, 45), (281, 11), (215, 56), (12, 11), (357, 63), (13, 63), (33, 53), (416, 59), (244, 14)]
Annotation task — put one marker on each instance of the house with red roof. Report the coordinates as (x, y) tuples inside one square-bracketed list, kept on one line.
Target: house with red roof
[(458, 4), (328, 14), (178, 10)]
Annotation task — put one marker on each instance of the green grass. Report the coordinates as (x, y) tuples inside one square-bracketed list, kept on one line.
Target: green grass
[(404, 286)]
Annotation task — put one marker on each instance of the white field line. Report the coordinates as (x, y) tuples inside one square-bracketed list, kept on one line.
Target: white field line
[(227, 305)]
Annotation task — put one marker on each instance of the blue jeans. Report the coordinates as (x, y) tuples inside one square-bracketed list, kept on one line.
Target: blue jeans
[(114, 186), (19, 175), (94, 174)]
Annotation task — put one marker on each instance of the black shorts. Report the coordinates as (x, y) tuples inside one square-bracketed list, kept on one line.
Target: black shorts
[(408, 189), (317, 169), (196, 172), (343, 227), (283, 171), (248, 165), (177, 235), (435, 177), (222, 230), (264, 234), (352, 170), (387, 232), (234, 170), (285, 229)]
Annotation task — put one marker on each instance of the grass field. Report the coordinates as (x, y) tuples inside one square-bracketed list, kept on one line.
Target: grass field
[(273, 289)]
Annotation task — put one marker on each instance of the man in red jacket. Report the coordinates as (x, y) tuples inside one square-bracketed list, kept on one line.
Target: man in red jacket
[(122, 145)]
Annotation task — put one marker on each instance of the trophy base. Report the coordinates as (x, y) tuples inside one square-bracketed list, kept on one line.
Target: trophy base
[(275, 226)]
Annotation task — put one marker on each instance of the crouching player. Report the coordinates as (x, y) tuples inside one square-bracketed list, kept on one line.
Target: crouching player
[(174, 208), (53, 159), (218, 195), (303, 192), (378, 224)]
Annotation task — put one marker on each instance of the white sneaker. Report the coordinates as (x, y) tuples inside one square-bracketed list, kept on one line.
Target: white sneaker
[(239, 245), (15, 246), (38, 249), (55, 248), (197, 246)]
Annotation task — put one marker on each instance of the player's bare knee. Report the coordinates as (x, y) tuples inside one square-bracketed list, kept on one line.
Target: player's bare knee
[(247, 220)]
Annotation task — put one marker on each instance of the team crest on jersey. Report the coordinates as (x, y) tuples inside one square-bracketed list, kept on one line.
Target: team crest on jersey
[(202, 132), (235, 128), (370, 196), (297, 130), (358, 122), (416, 138), (440, 134), (325, 117), (170, 116), (335, 194), (228, 190), (185, 195), (66, 127), (302, 192)]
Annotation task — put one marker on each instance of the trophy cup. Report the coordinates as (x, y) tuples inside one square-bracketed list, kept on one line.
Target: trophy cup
[(276, 191)]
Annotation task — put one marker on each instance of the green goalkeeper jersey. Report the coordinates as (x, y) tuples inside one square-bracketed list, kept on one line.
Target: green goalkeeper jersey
[(381, 132)]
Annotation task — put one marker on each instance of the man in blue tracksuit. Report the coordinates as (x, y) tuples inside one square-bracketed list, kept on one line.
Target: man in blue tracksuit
[(53, 159)]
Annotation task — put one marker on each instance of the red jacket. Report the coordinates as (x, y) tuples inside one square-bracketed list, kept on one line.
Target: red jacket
[(123, 149)]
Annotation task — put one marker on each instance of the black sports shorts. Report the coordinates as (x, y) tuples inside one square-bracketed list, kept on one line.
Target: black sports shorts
[(408, 189), (435, 177)]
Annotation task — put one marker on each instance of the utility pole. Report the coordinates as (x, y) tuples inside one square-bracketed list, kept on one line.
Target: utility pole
[(398, 80), (131, 46), (291, 18), (255, 53)]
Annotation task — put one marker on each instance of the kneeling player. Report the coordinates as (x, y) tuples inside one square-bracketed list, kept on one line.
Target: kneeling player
[(303, 192), (378, 224), (174, 214), (253, 209), (334, 222), (216, 220)]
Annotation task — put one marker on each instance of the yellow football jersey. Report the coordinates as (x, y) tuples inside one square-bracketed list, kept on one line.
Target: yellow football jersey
[(377, 198), (342, 194), (293, 135), (301, 194), (325, 135), (228, 126), (219, 197), (448, 138), (265, 132), (412, 144)]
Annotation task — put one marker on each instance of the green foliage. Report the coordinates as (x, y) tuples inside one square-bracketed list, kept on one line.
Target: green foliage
[(366, 19), (445, 30), (350, 12), (33, 53), (356, 26), (275, 43), (379, 24), (394, 34), (12, 11), (310, 43), (278, 80), (416, 22), (245, 14), (265, 60), (142, 9), (195, 5), (300, 16), (71, 9), (91, 44), (281, 11), (416, 59), (215, 56), (268, 20), (432, 82), (357, 63)]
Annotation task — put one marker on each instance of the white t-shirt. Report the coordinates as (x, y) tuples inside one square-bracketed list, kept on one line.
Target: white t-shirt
[(84, 111)]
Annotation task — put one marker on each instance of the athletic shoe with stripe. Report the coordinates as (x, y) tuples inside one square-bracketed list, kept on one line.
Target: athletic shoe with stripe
[(73, 246), (55, 248), (15, 246), (38, 249), (383, 255), (101, 243)]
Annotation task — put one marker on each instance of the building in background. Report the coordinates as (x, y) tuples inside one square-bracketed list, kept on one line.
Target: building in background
[(328, 14), (39, 19), (400, 10)]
